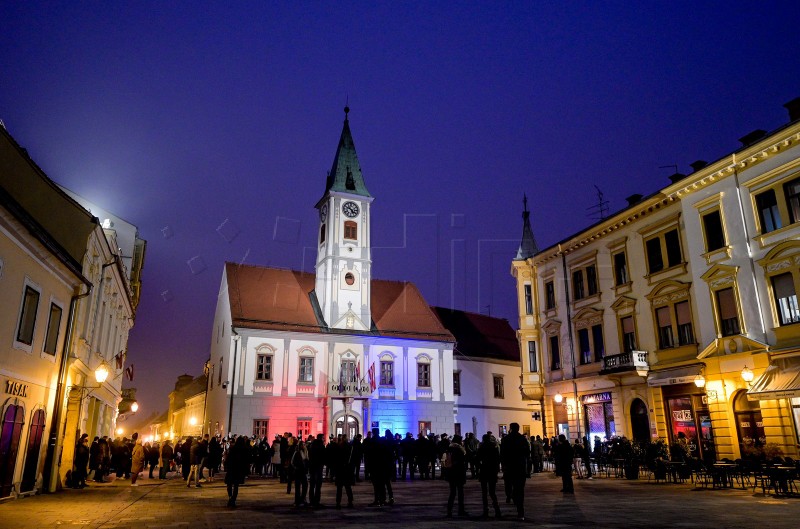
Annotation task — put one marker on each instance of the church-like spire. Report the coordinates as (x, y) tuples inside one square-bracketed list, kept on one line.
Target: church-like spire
[(345, 175), (527, 248)]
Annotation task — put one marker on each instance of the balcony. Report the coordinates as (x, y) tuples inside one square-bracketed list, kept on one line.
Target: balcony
[(624, 362)]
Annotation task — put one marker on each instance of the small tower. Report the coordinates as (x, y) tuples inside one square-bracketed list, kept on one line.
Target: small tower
[(527, 247), (344, 260)]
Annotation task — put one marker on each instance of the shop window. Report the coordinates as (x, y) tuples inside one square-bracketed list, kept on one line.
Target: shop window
[(628, 334), (620, 269), (749, 426), (528, 300), (264, 367), (783, 288), (728, 314), (713, 231), (550, 295), (27, 317), (555, 353), (260, 428), (533, 360), (663, 251), (499, 390), (387, 373), (306, 369), (424, 427), (423, 375), (53, 326), (350, 230), (456, 382)]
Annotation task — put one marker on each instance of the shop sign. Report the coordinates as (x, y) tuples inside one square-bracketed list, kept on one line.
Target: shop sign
[(596, 397), (18, 389)]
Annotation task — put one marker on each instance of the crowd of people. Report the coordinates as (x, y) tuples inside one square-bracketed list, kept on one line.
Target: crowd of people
[(307, 464)]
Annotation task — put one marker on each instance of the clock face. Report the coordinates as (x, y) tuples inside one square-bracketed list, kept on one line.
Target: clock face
[(350, 209), (323, 212)]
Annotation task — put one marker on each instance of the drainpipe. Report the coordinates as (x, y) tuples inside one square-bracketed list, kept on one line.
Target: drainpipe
[(51, 464), (571, 346), (233, 382)]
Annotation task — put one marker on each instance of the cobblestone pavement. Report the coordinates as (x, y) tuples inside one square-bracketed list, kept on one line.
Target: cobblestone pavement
[(603, 502)]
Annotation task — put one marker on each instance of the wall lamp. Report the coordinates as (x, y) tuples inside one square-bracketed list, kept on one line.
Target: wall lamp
[(748, 375)]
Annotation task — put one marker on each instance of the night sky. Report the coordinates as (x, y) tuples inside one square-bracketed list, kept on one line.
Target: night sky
[(211, 127)]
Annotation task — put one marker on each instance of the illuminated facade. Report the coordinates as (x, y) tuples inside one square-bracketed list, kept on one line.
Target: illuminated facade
[(297, 352), (65, 332), (649, 323)]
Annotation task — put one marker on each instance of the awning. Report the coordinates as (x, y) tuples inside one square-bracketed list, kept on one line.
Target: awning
[(781, 380), (678, 375)]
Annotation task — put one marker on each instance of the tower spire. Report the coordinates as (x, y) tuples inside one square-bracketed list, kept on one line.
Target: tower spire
[(527, 247), (345, 175)]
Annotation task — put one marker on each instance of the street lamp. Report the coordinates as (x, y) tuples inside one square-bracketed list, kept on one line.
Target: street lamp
[(193, 421), (135, 407), (699, 381), (558, 398), (747, 375)]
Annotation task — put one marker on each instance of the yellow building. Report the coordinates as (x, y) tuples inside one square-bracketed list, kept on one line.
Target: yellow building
[(678, 315)]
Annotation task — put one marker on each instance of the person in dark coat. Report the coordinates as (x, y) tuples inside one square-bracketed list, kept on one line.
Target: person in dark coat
[(316, 463), (166, 454), (186, 458), (514, 454), (454, 471), (94, 457), (421, 449), (488, 456), (343, 471), (151, 455), (358, 455), (236, 467), (408, 453), (562, 454), (81, 462)]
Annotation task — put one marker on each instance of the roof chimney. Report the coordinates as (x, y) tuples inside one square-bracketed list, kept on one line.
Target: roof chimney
[(697, 165), (752, 137), (634, 199), (677, 177), (793, 107)]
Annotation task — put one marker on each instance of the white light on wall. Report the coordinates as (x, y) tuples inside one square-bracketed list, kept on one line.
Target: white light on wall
[(558, 398)]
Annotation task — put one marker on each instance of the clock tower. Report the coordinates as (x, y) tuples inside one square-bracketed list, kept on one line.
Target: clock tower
[(344, 261)]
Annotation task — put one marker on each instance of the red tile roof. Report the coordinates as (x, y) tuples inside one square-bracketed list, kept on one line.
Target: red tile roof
[(480, 336), (283, 300)]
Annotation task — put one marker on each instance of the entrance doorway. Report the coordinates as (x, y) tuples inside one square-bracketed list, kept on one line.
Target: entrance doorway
[(32, 454), (13, 419), (749, 425), (640, 422), (352, 426), (599, 420)]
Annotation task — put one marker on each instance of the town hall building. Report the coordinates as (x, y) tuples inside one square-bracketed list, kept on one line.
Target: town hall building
[(334, 351)]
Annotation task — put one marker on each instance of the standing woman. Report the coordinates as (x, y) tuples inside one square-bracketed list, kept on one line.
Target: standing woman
[(455, 472), (300, 466), (488, 456), (236, 467), (137, 461)]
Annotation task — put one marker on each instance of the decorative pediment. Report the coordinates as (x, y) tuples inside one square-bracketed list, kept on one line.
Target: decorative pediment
[(623, 305), (350, 320), (668, 291), (720, 275), (783, 255), (587, 317), (551, 327), (729, 345), (265, 349)]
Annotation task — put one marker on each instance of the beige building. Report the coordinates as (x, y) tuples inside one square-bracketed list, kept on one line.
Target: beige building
[(67, 324), (678, 315)]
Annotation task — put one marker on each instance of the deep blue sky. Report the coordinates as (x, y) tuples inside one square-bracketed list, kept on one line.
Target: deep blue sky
[(216, 124)]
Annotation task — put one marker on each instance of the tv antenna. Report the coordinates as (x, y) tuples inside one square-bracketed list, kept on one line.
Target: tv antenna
[(600, 210)]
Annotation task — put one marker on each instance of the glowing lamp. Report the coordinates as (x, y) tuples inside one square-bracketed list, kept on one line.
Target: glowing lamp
[(699, 381), (101, 373), (135, 407), (558, 398), (747, 374), (193, 421), (119, 431)]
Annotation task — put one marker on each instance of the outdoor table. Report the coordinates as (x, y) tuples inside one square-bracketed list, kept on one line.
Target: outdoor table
[(722, 474), (779, 476)]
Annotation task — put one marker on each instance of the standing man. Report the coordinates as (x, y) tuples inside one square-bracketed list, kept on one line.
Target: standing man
[(562, 453), (515, 453), (316, 463)]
